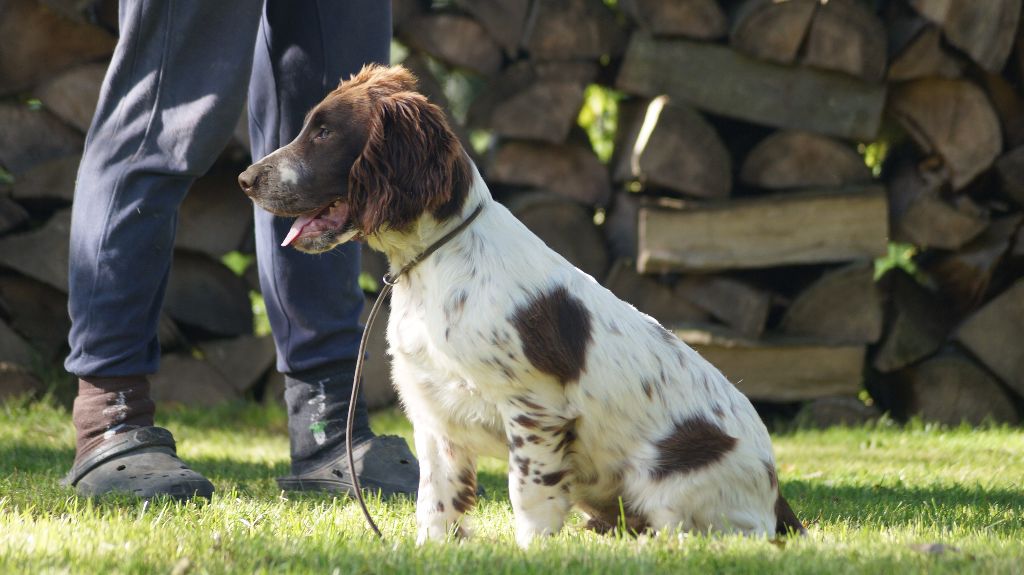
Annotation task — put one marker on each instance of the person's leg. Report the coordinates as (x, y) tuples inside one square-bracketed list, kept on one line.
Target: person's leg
[(169, 101), (303, 50)]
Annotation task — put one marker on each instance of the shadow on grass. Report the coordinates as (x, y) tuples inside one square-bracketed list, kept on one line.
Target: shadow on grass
[(882, 506)]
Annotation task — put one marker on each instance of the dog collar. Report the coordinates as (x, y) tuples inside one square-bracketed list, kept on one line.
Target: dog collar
[(393, 280)]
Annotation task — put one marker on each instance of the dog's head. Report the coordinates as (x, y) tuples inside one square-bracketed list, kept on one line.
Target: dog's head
[(373, 156)]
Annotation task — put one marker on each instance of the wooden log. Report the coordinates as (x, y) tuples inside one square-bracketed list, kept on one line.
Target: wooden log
[(919, 214), (504, 20), (12, 215), (205, 294), (669, 144), (917, 325), (798, 228), (41, 254), (457, 40), (843, 306), (770, 30), (241, 361), (964, 276), (652, 296), (620, 226), (185, 380), (38, 312), (826, 412), (565, 226), (984, 30), (214, 219), (952, 119), (533, 102), (791, 160), (72, 95), (570, 170), (699, 19), (924, 56), (950, 389), (1007, 103), (846, 36), (39, 42), (737, 304), (50, 180), (721, 81), (429, 86), (572, 30), (13, 347), (17, 381), (31, 137), (1010, 167), (405, 11), (994, 334), (780, 369)]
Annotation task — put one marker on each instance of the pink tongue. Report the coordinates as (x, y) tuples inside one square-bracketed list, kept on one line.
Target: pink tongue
[(300, 222)]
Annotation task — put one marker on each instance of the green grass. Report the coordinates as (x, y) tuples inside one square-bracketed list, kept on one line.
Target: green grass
[(868, 495)]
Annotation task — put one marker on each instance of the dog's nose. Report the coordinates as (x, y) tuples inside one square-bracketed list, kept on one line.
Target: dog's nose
[(249, 178)]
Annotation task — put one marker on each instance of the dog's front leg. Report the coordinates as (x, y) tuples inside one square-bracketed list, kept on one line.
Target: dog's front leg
[(447, 487), (539, 479)]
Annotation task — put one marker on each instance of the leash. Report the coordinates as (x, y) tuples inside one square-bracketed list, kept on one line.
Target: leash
[(389, 282)]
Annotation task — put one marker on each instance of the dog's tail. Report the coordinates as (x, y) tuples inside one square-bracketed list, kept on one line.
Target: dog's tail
[(786, 521)]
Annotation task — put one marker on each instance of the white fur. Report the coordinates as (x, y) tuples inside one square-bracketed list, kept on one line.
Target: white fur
[(461, 375)]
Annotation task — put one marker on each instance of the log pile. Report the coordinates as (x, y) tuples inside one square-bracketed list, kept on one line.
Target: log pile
[(754, 173)]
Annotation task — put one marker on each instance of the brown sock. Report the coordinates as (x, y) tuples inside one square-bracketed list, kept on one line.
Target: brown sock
[(109, 405)]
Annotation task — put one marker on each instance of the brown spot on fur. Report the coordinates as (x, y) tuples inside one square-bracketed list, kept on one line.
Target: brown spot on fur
[(454, 305), (525, 402), (517, 441), (554, 478), (522, 464), (648, 388), (773, 479), (440, 506), (526, 421), (692, 444), (717, 410), (534, 439), (555, 330), (465, 497)]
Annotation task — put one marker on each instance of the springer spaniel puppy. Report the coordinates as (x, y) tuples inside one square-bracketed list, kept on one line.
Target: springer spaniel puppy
[(501, 346)]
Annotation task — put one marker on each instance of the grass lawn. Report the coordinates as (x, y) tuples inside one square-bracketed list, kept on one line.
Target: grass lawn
[(872, 498)]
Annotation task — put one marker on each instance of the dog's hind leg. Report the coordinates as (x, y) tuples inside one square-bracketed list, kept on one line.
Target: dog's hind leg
[(447, 487), (539, 478)]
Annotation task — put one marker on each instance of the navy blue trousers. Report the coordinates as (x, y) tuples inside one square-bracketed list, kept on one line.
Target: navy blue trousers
[(169, 103)]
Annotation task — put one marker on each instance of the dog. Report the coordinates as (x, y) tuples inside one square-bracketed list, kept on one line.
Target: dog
[(500, 346)]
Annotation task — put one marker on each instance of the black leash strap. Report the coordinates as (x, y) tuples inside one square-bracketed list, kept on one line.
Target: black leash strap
[(357, 379)]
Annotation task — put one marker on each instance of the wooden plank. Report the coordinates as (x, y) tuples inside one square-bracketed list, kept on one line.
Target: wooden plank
[(669, 144), (38, 42), (503, 19), (995, 335), (984, 30), (700, 19), (952, 119), (847, 37), (919, 214), (722, 81), (950, 388), (455, 39), (770, 30), (789, 159), (652, 296), (781, 369), (798, 228), (570, 170), (572, 30), (842, 306), (917, 323), (72, 96), (735, 303)]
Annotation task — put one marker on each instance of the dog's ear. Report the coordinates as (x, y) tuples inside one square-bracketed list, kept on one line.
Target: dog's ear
[(412, 164)]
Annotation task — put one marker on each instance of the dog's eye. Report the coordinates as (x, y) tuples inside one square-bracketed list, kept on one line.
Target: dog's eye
[(323, 133)]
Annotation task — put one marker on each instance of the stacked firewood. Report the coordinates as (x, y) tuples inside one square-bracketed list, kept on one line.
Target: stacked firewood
[(765, 155)]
